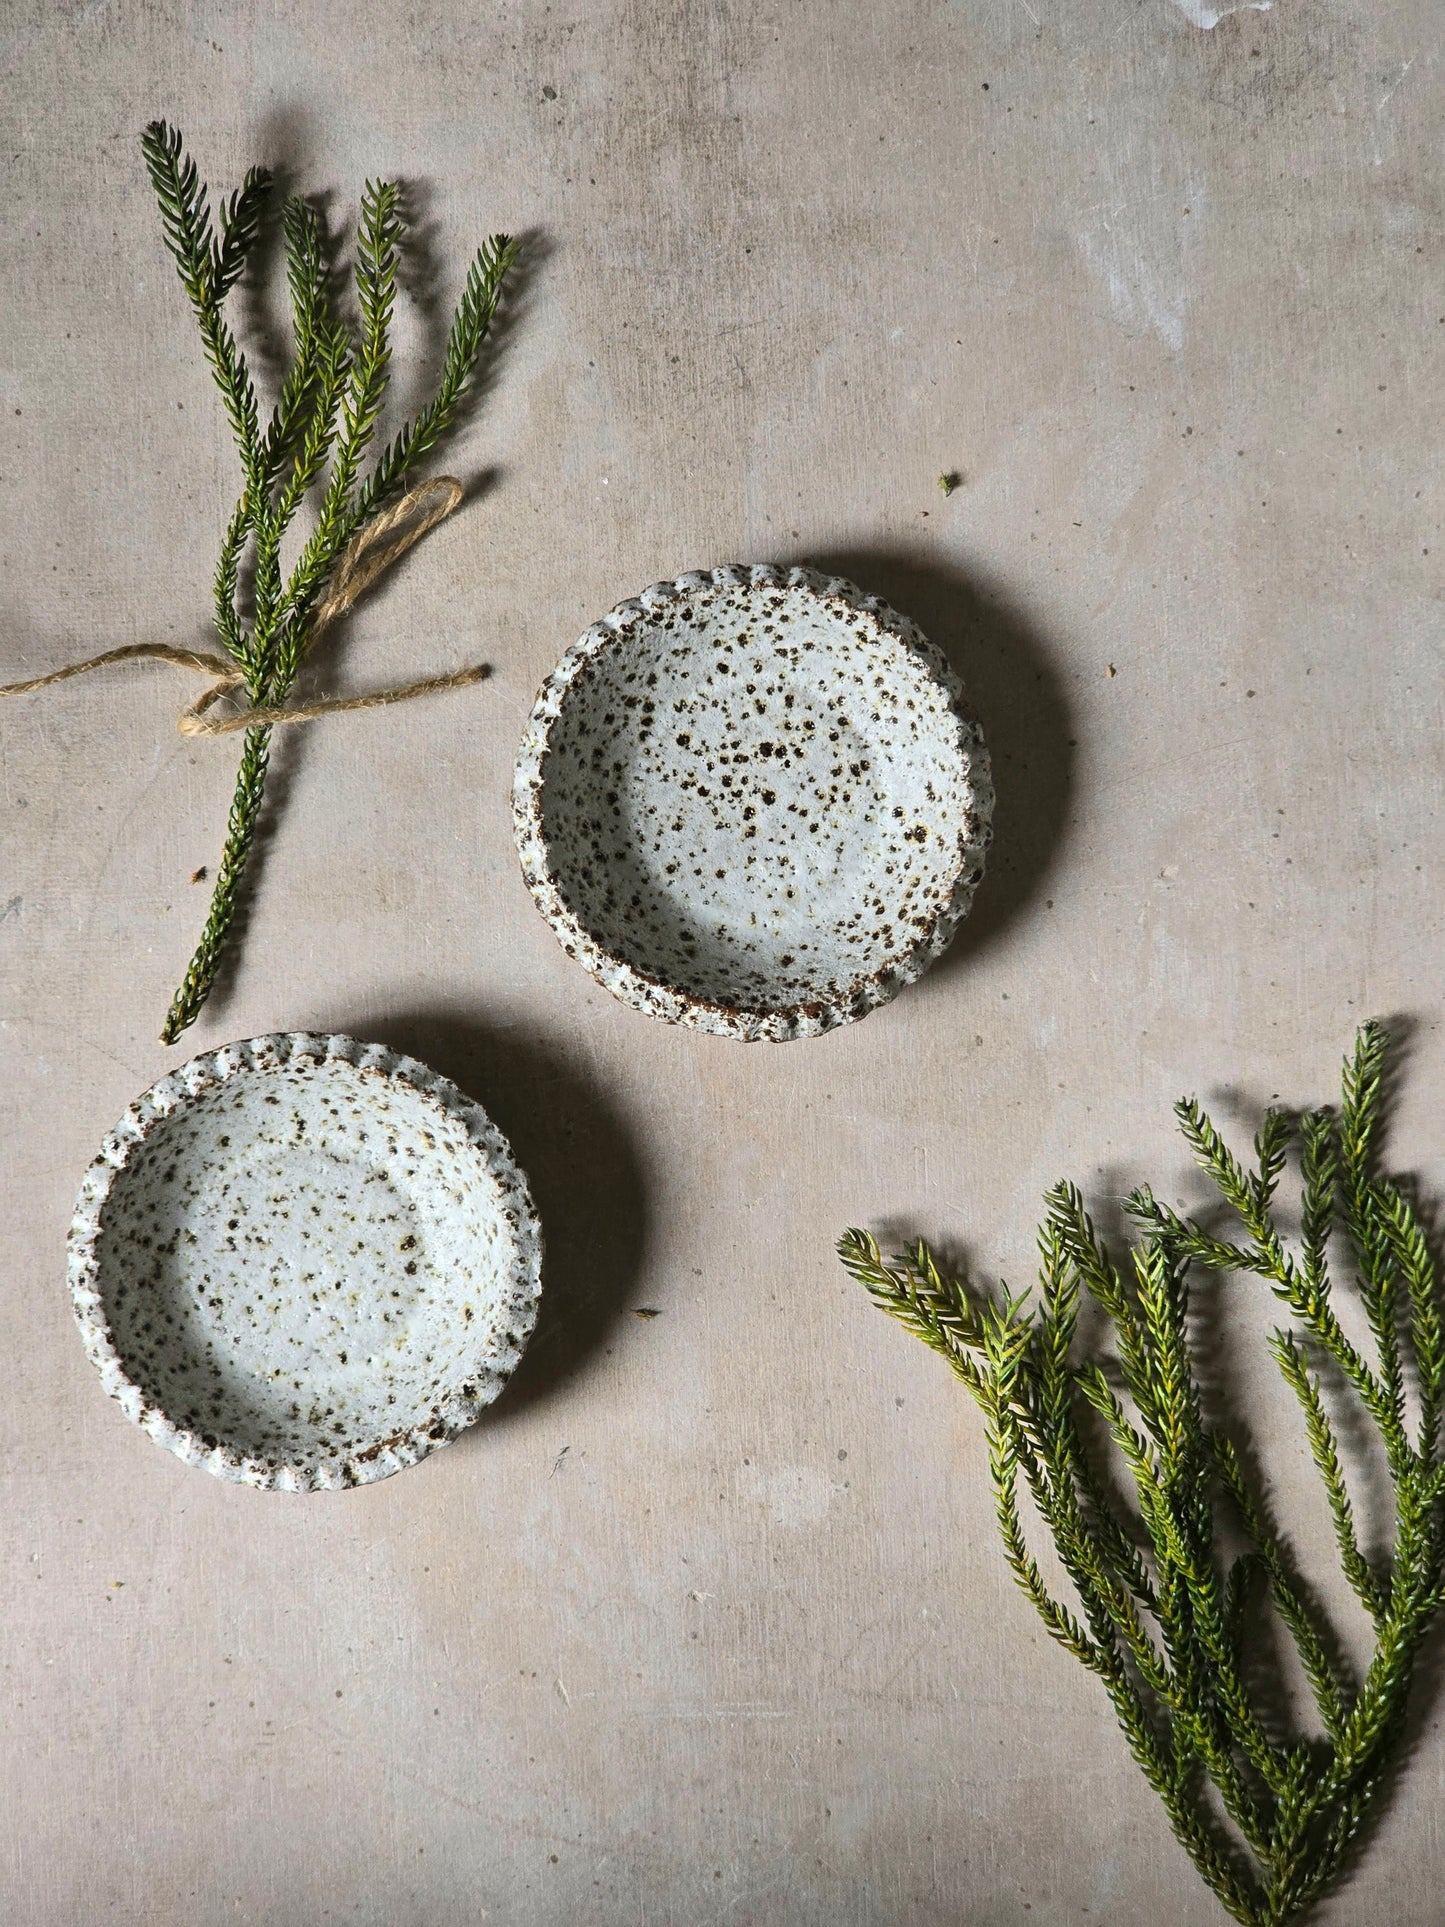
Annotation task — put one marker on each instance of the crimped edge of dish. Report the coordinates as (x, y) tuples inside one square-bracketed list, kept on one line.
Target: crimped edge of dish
[(653, 995), (172, 1094)]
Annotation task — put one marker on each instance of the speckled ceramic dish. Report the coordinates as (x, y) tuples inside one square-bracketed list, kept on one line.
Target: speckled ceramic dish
[(303, 1262), (752, 801)]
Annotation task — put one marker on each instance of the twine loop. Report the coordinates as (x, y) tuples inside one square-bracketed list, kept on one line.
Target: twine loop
[(370, 552)]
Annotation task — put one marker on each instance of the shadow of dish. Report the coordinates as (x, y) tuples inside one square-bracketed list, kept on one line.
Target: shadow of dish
[(583, 1169), (1015, 689)]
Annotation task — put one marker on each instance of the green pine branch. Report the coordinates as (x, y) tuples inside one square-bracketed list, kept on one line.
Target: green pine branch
[(327, 411), (1160, 1615)]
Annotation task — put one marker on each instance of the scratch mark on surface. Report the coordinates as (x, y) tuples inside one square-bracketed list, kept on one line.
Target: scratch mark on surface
[(1138, 299), (62, 1029), (557, 1462), (1199, 14), (1386, 97), (1140, 242), (796, 1495), (735, 1711)]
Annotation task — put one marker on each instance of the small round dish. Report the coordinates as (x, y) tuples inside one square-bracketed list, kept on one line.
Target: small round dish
[(303, 1262), (752, 801)]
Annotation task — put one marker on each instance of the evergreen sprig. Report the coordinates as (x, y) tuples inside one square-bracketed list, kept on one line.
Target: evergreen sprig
[(330, 402), (1161, 1613)]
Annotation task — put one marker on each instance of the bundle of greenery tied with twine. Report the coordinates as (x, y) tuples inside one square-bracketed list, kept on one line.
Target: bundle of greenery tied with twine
[(330, 402), (1163, 1613)]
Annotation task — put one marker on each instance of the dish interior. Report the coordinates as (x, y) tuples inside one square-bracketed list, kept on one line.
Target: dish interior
[(308, 1262), (756, 799)]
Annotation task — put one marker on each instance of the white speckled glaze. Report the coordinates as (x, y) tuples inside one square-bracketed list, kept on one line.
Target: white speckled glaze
[(753, 801), (303, 1262)]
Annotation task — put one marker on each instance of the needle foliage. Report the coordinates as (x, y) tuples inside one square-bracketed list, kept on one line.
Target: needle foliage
[(1163, 1585), (317, 436)]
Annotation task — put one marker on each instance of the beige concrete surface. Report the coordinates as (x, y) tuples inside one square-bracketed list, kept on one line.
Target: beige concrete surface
[(708, 1623)]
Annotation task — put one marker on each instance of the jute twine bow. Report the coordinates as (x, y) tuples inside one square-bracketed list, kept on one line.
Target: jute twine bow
[(371, 551)]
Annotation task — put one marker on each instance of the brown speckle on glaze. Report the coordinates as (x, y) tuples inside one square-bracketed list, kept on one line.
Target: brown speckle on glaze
[(752, 801), (304, 1262)]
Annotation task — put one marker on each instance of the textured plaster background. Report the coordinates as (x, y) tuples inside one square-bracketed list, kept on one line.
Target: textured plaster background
[(708, 1623)]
